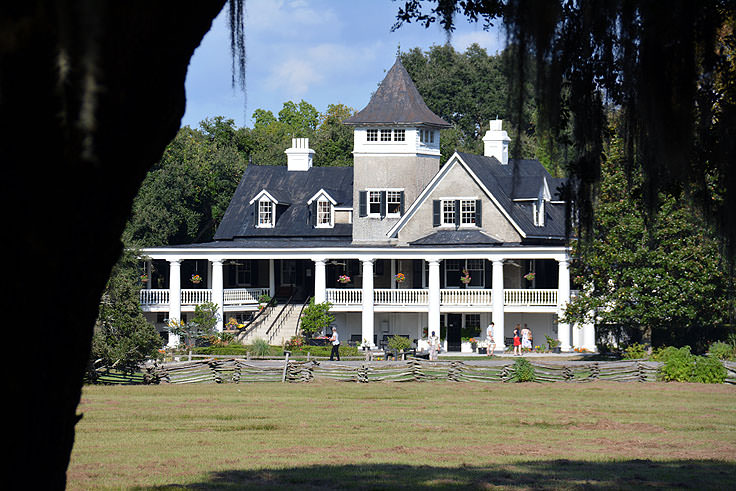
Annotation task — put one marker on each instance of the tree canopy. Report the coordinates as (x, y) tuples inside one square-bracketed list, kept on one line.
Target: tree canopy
[(668, 66)]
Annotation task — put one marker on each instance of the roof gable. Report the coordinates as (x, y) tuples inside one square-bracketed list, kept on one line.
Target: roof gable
[(397, 101)]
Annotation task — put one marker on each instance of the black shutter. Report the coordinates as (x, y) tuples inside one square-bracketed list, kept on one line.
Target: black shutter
[(401, 207), (254, 264), (436, 213), (457, 213), (362, 204), (255, 213), (416, 273), (313, 213), (383, 204), (230, 274), (478, 213), (488, 273)]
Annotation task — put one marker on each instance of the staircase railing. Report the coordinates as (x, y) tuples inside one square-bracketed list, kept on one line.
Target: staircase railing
[(299, 319), (261, 316), (279, 320)]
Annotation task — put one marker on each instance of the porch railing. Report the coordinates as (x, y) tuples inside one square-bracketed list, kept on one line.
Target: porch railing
[(154, 296), (196, 296), (530, 297), (344, 296), (241, 296), (465, 297), (386, 296)]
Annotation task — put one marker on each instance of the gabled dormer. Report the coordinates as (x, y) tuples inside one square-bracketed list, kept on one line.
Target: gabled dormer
[(322, 209), (538, 209), (265, 209)]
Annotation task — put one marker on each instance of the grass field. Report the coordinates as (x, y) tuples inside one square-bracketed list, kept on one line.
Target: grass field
[(416, 435)]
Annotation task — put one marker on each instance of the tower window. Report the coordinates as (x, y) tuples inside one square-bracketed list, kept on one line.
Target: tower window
[(393, 202), (372, 135), (399, 135), (374, 203), (385, 135)]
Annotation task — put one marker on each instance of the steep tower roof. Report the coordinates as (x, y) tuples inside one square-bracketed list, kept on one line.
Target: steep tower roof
[(397, 101)]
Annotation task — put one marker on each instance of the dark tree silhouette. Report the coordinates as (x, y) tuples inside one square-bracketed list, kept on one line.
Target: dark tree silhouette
[(90, 94), (670, 67)]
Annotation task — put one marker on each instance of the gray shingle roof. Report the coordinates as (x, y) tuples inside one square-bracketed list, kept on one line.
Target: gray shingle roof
[(397, 101), (456, 237), (294, 188)]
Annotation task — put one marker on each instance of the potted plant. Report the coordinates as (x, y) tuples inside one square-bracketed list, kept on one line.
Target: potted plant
[(196, 279), (465, 278), (263, 300), (530, 276), (554, 344), (473, 344), (400, 277), (343, 279), (144, 278)]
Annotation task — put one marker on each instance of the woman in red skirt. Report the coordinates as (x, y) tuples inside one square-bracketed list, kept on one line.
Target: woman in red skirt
[(517, 341)]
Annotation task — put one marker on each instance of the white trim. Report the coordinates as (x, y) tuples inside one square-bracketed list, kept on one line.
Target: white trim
[(331, 224), (323, 193), (455, 158), (271, 223), (264, 193)]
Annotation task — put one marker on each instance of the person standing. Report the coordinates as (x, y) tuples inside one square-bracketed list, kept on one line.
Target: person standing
[(335, 340), (434, 346), (517, 341), (489, 339), (526, 338)]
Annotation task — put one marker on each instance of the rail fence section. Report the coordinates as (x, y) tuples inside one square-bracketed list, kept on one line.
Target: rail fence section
[(235, 370)]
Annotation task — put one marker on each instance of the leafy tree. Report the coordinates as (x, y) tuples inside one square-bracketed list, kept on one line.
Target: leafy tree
[(333, 144), (123, 338), (316, 317), (669, 67), (200, 327), (654, 276)]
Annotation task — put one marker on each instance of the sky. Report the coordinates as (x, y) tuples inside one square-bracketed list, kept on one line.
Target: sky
[(321, 51)]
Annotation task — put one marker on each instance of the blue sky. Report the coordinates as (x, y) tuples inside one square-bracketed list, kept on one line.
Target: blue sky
[(322, 51)]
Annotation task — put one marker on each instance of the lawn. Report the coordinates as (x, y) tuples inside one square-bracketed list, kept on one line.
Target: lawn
[(422, 435)]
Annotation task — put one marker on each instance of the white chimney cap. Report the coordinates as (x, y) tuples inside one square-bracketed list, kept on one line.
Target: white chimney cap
[(299, 156)]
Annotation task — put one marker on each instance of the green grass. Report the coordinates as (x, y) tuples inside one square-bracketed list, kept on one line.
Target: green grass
[(417, 435)]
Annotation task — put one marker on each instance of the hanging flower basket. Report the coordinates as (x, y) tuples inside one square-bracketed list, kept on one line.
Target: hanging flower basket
[(465, 278), (196, 279), (400, 277), (530, 276), (144, 278), (343, 279)]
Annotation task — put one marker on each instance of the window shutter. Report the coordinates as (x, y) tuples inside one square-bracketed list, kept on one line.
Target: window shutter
[(313, 213), (255, 213), (457, 213), (383, 204), (362, 203), (478, 213), (230, 275), (401, 206), (416, 273), (436, 210)]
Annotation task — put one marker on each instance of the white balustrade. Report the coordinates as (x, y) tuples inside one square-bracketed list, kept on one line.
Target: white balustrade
[(387, 296), (243, 296), (531, 297), (465, 296), (154, 296), (344, 296), (196, 296)]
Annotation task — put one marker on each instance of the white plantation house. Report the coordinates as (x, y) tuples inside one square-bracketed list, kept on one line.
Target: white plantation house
[(462, 236)]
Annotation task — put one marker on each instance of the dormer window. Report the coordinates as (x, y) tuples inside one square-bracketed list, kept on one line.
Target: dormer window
[(324, 213), (265, 213)]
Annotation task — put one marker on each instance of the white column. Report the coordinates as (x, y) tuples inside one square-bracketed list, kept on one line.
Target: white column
[(320, 295), (498, 304), (367, 315), (393, 273), (434, 297), (149, 272), (589, 336), (271, 278), (218, 293), (174, 297), (563, 298)]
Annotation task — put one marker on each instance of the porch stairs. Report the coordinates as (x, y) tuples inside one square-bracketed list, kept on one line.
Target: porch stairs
[(278, 327)]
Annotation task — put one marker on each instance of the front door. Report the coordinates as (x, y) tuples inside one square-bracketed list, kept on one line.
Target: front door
[(454, 330)]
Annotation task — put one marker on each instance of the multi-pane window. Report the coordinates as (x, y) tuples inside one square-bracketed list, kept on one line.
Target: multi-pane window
[(426, 136), (399, 135), (265, 213), (374, 203), (372, 135), (243, 273), (467, 212), (324, 213), (448, 212), (385, 135), (393, 202)]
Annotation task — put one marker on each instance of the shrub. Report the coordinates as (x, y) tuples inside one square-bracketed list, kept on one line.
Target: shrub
[(678, 364), (316, 317), (260, 347), (708, 370), (523, 371), (399, 343), (295, 343), (635, 352), (723, 351)]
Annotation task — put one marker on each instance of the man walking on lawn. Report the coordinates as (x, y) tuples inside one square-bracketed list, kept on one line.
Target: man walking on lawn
[(335, 345)]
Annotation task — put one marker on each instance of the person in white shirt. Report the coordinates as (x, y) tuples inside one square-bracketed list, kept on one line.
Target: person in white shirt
[(489, 339), (334, 339), (434, 346)]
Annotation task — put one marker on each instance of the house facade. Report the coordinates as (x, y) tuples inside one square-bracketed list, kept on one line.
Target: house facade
[(398, 244)]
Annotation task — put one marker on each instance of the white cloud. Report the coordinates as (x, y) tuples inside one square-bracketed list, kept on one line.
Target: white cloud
[(291, 18), (492, 41)]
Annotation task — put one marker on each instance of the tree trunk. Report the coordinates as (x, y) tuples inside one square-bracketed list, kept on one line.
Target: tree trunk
[(90, 94)]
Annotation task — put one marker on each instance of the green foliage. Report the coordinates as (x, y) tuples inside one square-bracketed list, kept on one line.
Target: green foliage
[(678, 366), (523, 371), (722, 351), (316, 317), (708, 370), (324, 351), (635, 351), (260, 347), (399, 343), (201, 326), (123, 338), (552, 342)]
